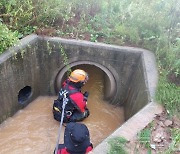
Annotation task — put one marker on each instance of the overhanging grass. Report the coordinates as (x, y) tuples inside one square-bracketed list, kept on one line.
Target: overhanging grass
[(168, 94)]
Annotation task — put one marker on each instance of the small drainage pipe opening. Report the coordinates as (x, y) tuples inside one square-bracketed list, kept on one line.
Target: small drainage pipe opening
[(24, 94)]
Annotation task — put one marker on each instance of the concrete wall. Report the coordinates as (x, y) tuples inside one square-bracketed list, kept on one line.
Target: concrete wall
[(120, 61), (19, 67), (37, 61), (137, 91), (146, 114)]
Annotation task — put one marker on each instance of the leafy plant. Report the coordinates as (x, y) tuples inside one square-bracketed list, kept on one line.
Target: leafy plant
[(7, 39), (117, 145), (65, 60), (94, 37), (144, 138), (173, 148)]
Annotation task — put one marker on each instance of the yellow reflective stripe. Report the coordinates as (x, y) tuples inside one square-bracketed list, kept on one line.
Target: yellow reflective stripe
[(55, 108)]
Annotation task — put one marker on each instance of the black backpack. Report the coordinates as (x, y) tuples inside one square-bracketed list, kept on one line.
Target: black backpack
[(69, 107)]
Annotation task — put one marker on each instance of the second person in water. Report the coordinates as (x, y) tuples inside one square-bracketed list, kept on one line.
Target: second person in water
[(76, 105)]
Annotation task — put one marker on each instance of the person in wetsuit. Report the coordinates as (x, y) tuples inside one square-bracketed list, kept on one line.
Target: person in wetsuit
[(76, 107)]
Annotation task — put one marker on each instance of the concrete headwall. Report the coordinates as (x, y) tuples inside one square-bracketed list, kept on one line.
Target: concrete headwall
[(37, 61), (137, 90), (19, 67), (119, 61)]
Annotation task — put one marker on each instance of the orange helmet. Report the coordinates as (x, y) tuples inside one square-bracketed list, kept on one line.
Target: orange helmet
[(78, 75)]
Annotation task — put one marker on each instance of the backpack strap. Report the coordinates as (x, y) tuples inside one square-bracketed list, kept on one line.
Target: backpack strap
[(70, 91)]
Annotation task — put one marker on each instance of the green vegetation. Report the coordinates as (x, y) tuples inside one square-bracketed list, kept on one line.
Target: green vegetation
[(153, 25), (7, 38), (175, 141), (65, 58), (117, 145), (168, 94), (145, 138), (150, 137)]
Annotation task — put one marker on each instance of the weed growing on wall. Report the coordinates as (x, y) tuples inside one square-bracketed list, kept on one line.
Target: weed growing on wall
[(49, 48), (65, 60), (63, 54)]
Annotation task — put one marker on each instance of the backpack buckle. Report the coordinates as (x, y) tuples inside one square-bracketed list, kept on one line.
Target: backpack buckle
[(68, 113)]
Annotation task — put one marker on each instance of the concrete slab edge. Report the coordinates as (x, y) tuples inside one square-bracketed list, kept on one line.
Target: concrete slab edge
[(132, 126)]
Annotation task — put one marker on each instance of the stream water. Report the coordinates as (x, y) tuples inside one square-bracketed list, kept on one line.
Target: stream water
[(33, 129)]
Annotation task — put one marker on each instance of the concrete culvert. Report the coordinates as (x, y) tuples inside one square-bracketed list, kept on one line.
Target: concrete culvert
[(109, 80), (41, 64)]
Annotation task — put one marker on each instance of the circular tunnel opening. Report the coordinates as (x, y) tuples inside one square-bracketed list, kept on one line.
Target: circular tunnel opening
[(107, 77), (24, 94), (62, 76), (92, 72)]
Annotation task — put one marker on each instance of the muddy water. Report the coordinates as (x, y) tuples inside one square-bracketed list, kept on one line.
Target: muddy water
[(33, 129)]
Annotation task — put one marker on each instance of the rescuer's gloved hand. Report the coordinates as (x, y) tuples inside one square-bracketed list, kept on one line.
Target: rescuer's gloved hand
[(86, 94), (86, 113)]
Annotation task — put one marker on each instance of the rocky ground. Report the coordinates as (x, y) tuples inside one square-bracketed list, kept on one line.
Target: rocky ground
[(161, 137)]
